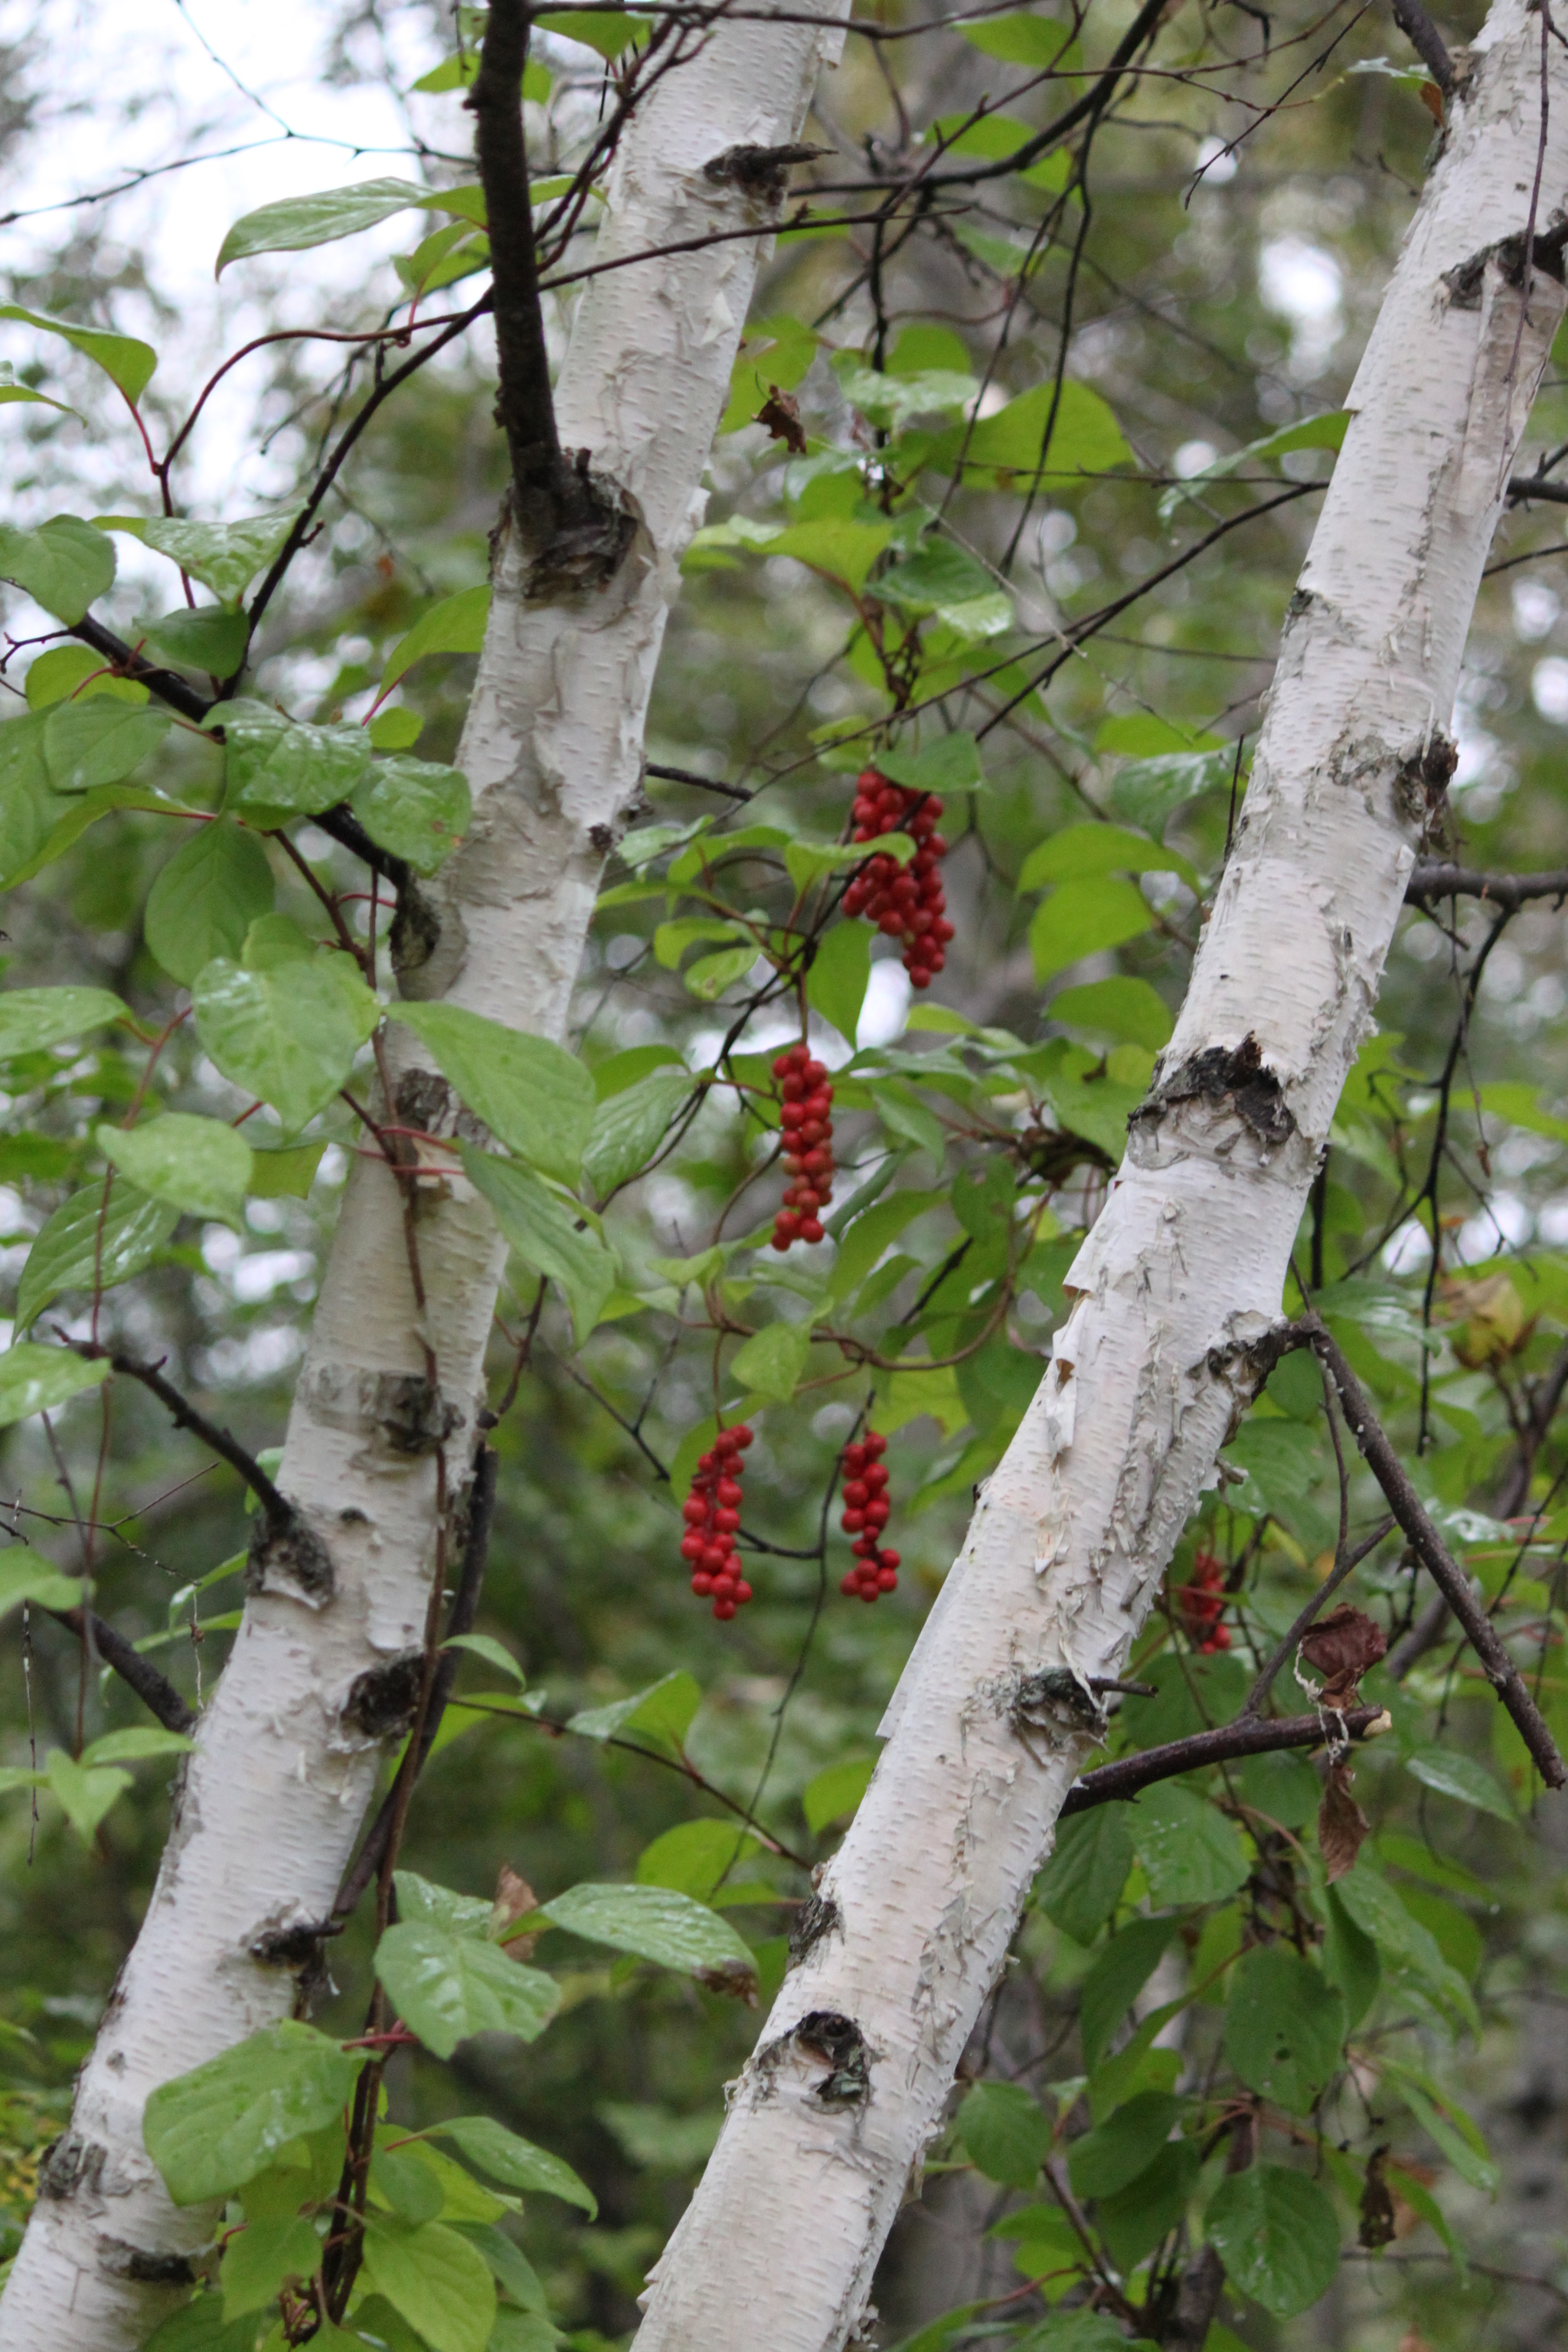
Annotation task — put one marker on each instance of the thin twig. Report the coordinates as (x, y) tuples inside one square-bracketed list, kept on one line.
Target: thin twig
[(1248, 1736)]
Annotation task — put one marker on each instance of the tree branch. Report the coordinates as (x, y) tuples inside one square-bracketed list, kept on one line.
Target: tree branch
[(1506, 891), (280, 1511), (1426, 41), (154, 1689), (1430, 1550), (1247, 1736), (1523, 486)]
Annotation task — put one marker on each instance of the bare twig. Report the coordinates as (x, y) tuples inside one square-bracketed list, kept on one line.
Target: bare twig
[(280, 1511), (154, 1689), (1248, 1736)]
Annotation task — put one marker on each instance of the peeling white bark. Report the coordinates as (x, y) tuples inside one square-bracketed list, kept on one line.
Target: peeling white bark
[(276, 1791), (828, 2123)]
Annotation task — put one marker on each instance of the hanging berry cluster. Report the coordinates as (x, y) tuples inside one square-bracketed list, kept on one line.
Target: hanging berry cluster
[(866, 1509), (712, 1515), (807, 1118), (908, 903), (1199, 1605)]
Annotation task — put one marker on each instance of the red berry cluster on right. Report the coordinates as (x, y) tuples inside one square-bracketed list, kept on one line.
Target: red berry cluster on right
[(713, 1516), (908, 903), (1200, 1603), (866, 1511), (806, 1116)]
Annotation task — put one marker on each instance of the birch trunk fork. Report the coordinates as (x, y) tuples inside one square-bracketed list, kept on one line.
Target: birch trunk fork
[(1183, 1270), (288, 1751)]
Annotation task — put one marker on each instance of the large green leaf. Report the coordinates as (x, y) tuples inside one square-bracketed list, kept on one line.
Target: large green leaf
[(661, 1715), (441, 2284), (532, 1095), (1084, 918), (129, 364), (1111, 2156), (839, 975), (224, 556), (630, 1127), (455, 625), (697, 1857), (1006, 2132), (415, 808), (26, 1578), (209, 637), (430, 1905), (771, 1363), (32, 1018), (1276, 2234), (1190, 1851), (288, 1030), (449, 1988), (200, 2326), (1080, 851), (200, 1166), (1283, 2027), (271, 2250), (35, 1379), (204, 901), (277, 767), (1085, 437), (99, 741), (655, 1922), (84, 1246), (299, 221), (1452, 1773), (549, 1233), (84, 1792), (1116, 1978), (65, 565), (516, 2162), (1082, 1882), (210, 2131)]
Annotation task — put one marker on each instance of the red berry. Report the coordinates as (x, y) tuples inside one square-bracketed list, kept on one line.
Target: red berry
[(812, 1229)]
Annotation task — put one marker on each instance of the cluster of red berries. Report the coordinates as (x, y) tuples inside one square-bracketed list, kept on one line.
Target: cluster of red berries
[(1200, 1603), (907, 902), (807, 1118), (712, 1515), (865, 1515)]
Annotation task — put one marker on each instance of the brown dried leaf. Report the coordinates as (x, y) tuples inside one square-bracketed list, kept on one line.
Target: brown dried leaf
[(515, 1898), (1341, 1825), (1377, 2218), (781, 414), (735, 1978), (1342, 1646)]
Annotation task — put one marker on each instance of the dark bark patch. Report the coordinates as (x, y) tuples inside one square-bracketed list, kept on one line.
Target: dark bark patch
[(1054, 1701), (294, 1947), (144, 2267), (70, 2165), (762, 172), (415, 930), (1465, 280), (291, 1560), (818, 1916), (837, 2041), (1421, 789), (381, 1702), (1234, 1073), (411, 1415)]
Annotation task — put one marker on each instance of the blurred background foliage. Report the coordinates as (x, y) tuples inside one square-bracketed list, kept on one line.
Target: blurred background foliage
[(1247, 202)]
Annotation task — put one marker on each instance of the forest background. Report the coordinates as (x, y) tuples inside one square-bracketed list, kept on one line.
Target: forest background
[(1247, 203)]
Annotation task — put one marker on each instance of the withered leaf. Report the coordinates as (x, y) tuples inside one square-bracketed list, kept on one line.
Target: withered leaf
[(1377, 2219), (1342, 1646), (781, 414), (1341, 1825), (514, 1899)]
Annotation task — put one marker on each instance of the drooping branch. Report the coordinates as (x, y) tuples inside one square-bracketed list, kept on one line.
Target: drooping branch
[(1434, 1555), (279, 1510), (1426, 41), (154, 1689)]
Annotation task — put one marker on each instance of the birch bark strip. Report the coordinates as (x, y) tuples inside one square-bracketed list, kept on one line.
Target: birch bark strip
[(288, 1751), (1184, 1269)]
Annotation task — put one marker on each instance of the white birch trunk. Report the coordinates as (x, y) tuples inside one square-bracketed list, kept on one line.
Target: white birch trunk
[(287, 1754), (828, 2123)]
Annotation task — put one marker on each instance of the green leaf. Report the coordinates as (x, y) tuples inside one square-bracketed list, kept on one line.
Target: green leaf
[(942, 578), (264, 2256), (1326, 430), (135, 1746), (608, 34), (1121, 1008), (1349, 1961), (1284, 2027), (85, 1794), (395, 729), (1276, 2234), (455, 625), (1283, 1787), (11, 391), (771, 1364), (224, 556), (1006, 2132), (127, 363), (1082, 1885), (210, 2131), (1138, 2217), (1081, 851), (1454, 1774), (431, 2274), (1148, 792), (97, 741), (1190, 1851), (289, 1030), (207, 898), (282, 1175), (1112, 2155), (65, 565), (533, 1096), (1085, 439), (548, 1232), (75, 670), (210, 638), (1453, 2131), (200, 2326), (83, 1247), (416, 808), (516, 2162), (32, 1018), (1116, 1978), (661, 1713), (630, 1127), (22, 1578), (200, 1166), (654, 1923), (710, 975), (948, 763), (508, 2263), (426, 1905), (695, 1857), (842, 549), (277, 766), (839, 975), (1084, 920), (1019, 38), (1400, 1938), (836, 1792), (448, 1988), (37, 1380), (299, 221)]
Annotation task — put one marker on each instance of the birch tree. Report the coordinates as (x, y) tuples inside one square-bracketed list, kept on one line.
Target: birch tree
[(798, 1199)]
